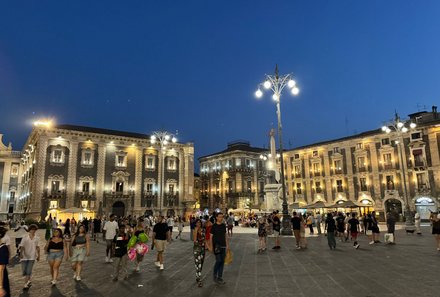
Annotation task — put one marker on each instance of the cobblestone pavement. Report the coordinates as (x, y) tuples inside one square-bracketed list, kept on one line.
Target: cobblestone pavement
[(409, 268)]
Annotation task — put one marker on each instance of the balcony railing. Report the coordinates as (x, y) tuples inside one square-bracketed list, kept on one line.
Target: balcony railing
[(171, 199), (419, 163), (54, 194), (86, 195), (150, 199), (115, 194)]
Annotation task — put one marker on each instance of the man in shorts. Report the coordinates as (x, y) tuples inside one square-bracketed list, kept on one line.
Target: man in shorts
[(161, 234), (110, 230), (353, 227)]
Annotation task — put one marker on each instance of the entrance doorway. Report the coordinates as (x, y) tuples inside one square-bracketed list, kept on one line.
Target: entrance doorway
[(118, 209), (393, 206), (424, 206)]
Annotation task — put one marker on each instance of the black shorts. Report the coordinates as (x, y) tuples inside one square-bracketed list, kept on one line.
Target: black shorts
[(375, 230), (435, 231), (170, 228)]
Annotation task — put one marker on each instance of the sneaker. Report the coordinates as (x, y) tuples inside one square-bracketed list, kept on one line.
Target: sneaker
[(74, 276), (274, 248), (137, 269), (157, 264), (161, 266), (53, 282), (220, 281), (78, 278), (110, 260), (298, 247), (372, 242), (106, 259), (357, 246)]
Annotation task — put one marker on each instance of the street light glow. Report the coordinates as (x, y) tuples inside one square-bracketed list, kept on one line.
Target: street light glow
[(404, 129), (384, 128), (412, 125), (174, 139), (291, 83), (275, 97), (388, 130), (295, 91), (267, 84), (399, 124), (258, 93)]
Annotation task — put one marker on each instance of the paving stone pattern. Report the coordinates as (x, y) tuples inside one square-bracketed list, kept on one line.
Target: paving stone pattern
[(409, 268)]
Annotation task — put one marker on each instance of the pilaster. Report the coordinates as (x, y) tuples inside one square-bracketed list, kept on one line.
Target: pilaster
[(138, 183), (71, 174), (39, 182), (100, 176)]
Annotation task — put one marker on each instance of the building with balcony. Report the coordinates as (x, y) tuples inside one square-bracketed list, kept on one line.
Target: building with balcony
[(9, 179), (102, 171), (233, 178), (366, 169)]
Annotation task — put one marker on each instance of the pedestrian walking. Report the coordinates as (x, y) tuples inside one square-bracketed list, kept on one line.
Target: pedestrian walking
[(435, 220), (375, 228), (276, 223), (340, 225), (330, 227), (262, 234), (138, 230), (5, 290), (219, 246), (179, 227), (310, 222), (67, 227), (170, 223), (110, 230), (20, 232), (209, 221), (296, 227), (318, 223), (56, 251), (80, 251), (417, 222), (230, 223), (96, 229), (199, 250), (302, 232), (29, 253), (353, 228), (390, 237), (161, 235), (121, 242)]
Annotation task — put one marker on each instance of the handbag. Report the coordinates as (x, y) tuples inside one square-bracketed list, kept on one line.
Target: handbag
[(228, 258)]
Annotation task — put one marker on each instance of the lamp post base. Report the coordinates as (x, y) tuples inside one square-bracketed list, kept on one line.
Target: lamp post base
[(409, 221), (286, 227)]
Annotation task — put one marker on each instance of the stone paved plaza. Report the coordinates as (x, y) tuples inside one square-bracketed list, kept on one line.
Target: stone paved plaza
[(409, 268)]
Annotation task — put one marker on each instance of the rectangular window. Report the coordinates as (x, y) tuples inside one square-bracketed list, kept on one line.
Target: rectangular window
[(298, 189), (296, 156), (231, 185), (149, 189), (361, 163), (171, 189), (238, 162), (249, 186), (318, 187), (385, 141), (359, 146), (53, 204), (316, 168), (11, 195), (87, 158), (56, 186), (150, 162), (57, 156), (297, 170), (415, 136), (261, 186), (86, 187), (387, 159), (336, 149), (390, 182), (120, 161), (421, 183), (119, 187), (339, 186), (315, 154), (337, 166), (363, 184), (171, 164)]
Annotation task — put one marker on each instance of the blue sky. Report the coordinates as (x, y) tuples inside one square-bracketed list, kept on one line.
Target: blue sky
[(193, 66)]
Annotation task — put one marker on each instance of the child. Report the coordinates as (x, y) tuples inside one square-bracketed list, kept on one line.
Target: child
[(121, 256)]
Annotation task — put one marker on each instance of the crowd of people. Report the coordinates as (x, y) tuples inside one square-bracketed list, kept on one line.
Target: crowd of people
[(126, 240)]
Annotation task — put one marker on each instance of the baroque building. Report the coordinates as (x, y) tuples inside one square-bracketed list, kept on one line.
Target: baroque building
[(366, 169), (103, 171), (9, 179), (233, 178)]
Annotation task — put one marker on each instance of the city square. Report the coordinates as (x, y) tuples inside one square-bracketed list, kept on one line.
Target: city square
[(310, 129)]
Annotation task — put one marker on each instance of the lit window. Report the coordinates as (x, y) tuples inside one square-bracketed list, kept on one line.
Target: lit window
[(359, 146), (57, 156), (150, 162), (53, 204), (171, 164)]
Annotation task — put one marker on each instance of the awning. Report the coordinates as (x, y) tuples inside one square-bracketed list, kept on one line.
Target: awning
[(345, 204), (319, 204)]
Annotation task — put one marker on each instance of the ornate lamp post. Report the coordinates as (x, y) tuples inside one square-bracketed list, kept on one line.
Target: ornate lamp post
[(162, 138), (277, 83), (400, 128)]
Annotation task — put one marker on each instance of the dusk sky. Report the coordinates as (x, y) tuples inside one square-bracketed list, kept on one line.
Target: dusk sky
[(193, 66)]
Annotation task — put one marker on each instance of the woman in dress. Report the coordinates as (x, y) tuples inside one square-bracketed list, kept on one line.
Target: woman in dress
[(199, 250), (435, 220), (56, 250), (262, 234), (80, 251)]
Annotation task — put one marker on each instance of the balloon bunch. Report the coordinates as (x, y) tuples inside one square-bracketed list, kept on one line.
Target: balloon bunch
[(137, 245)]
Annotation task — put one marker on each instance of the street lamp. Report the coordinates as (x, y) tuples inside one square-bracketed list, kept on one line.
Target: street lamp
[(277, 83), (162, 138), (400, 128)]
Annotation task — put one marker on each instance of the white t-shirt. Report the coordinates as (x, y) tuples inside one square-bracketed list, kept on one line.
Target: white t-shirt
[(21, 231), (170, 222), (29, 247), (111, 228), (6, 240)]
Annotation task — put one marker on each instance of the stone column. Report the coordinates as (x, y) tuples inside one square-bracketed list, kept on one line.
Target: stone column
[(350, 174), (5, 187), (71, 175), (327, 179), (38, 183), (138, 183), (100, 177)]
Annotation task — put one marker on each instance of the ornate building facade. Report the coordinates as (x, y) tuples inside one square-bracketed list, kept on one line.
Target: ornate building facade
[(9, 179), (366, 169), (103, 171), (233, 178)]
